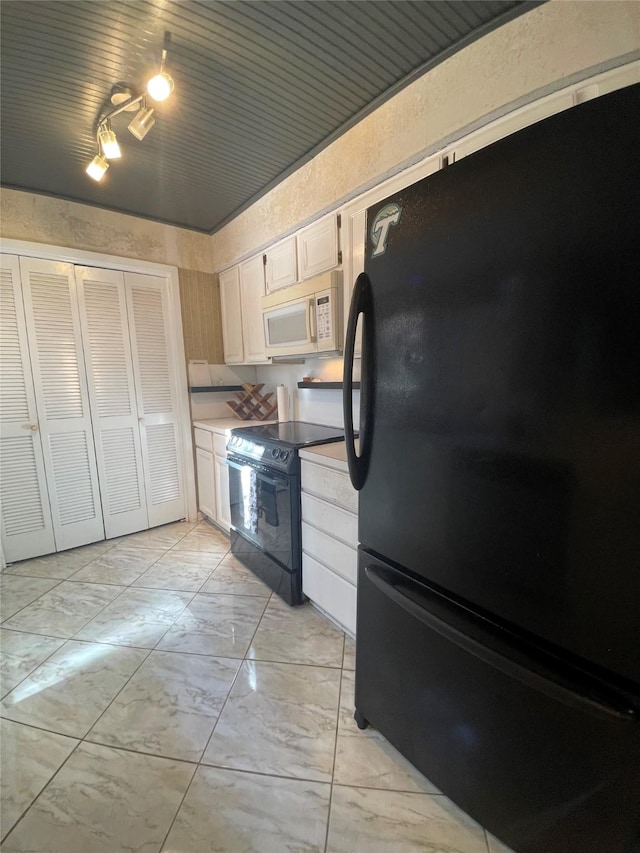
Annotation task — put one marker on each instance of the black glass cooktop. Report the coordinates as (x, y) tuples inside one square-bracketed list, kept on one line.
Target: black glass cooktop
[(294, 433)]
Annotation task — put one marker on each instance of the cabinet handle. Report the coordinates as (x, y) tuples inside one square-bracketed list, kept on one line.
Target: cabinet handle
[(34, 427)]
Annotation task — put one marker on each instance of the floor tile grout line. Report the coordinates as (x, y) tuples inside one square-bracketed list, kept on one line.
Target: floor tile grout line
[(37, 666), (224, 704), (20, 609), (122, 591), (335, 750), (110, 549), (181, 803), (73, 637), (44, 787), (142, 662), (199, 763)]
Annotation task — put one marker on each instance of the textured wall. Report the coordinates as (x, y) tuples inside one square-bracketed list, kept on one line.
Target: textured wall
[(201, 317), (550, 46), (42, 219)]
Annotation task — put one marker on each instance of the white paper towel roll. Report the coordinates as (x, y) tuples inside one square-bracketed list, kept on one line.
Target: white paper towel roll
[(282, 395)]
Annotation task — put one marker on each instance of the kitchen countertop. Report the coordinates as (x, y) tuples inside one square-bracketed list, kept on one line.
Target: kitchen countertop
[(332, 455), (225, 425)]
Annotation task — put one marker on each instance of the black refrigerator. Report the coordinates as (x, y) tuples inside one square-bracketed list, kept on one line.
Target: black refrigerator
[(498, 627)]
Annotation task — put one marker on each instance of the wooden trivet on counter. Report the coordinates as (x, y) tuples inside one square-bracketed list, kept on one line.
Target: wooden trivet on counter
[(252, 404)]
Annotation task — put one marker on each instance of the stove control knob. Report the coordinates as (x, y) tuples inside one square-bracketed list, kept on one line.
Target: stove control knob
[(284, 455), (275, 453)]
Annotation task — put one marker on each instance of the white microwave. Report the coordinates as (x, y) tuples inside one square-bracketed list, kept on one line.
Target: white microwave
[(304, 318)]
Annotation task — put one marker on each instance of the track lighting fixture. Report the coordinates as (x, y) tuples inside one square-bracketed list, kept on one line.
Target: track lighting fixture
[(123, 99)]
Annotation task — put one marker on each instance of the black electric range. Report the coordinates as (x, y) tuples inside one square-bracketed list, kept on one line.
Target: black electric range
[(264, 492)]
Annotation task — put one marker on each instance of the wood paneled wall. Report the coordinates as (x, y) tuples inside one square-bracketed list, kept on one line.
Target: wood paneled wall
[(201, 316)]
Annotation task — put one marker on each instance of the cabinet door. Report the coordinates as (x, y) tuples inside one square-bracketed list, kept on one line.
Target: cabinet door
[(318, 247), (281, 268), (156, 397), (55, 347), (206, 483), (252, 290), (114, 413), (231, 316), (27, 526), (223, 507)]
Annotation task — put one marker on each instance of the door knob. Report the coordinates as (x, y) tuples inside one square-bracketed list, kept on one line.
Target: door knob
[(34, 427)]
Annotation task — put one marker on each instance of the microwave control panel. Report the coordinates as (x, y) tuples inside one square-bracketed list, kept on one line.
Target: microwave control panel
[(323, 317)]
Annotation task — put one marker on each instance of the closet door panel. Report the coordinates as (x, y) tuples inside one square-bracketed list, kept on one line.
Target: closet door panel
[(55, 346), (156, 397), (27, 526), (116, 432)]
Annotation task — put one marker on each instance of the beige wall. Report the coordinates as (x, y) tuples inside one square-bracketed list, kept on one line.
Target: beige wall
[(550, 46), (42, 219), (201, 316)]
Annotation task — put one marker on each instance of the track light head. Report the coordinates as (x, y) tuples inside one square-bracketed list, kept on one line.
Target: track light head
[(142, 123), (108, 143), (160, 86), (97, 167)]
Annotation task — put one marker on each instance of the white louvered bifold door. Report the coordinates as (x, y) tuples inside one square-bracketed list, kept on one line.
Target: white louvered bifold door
[(55, 347), (156, 390), (27, 528), (114, 413)]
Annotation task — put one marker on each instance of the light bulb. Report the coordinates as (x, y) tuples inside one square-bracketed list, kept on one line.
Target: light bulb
[(142, 123), (97, 167), (160, 86), (109, 143)]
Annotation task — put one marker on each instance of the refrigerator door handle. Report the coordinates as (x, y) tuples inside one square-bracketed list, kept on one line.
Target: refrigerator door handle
[(360, 304), (575, 692)]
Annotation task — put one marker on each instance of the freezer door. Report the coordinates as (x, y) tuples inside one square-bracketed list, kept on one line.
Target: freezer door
[(542, 756)]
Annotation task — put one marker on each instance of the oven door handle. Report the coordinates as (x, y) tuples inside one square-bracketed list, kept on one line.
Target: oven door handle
[(262, 476)]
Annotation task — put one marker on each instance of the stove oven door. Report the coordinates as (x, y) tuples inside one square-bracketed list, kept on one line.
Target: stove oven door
[(261, 509)]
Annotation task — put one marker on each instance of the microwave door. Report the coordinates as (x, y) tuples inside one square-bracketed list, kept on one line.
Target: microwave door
[(290, 329)]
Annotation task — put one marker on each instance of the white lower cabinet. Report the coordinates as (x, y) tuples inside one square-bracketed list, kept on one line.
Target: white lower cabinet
[(206, 483), (329, 535), (212, 471)]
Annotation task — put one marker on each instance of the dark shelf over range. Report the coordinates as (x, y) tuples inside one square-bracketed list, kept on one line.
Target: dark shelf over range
[(199, 389), (326, 386)]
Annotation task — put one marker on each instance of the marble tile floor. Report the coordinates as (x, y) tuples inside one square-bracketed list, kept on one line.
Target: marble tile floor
[(155, 696)]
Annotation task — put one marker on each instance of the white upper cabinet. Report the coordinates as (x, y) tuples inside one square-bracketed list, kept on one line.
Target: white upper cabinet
[(241, 291), (281, 268), (116, 431), (231, 309), (60, 382), (251, 293), (27, 527), (318, 247)]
